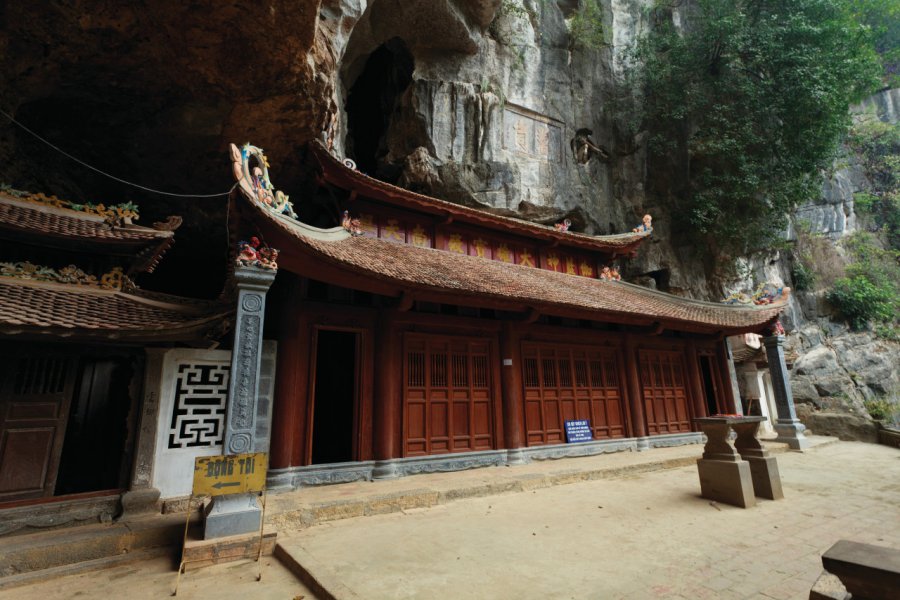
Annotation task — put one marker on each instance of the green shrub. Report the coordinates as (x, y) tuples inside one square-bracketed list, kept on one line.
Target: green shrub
[(883, 409), (861, 301), (803, 276)]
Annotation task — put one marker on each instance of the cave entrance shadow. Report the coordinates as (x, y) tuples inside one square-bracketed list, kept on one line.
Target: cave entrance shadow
[(372, 100)]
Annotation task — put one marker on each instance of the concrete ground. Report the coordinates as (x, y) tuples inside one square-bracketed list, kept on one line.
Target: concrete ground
[(628, 525), (155, 578), (641, 536)]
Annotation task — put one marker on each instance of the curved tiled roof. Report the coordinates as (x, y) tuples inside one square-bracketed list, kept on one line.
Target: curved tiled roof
[(25, 219), (336, 173), (472, 280), (63, 310)]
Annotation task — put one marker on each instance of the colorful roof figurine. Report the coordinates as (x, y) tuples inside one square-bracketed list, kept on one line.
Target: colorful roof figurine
[(108, 230), (341, 174), (379, 266)]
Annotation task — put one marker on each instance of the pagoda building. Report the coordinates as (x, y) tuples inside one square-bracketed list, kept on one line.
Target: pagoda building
[(420, 335), (75, 333)]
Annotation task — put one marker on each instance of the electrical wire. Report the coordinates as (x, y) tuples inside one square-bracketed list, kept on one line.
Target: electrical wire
[(104, 173)]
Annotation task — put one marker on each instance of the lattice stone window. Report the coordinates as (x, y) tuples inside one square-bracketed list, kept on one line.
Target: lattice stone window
[(198, 413)]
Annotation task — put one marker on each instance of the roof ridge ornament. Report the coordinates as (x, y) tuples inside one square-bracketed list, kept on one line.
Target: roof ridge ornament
[(115, 215), (765, 293), (254, 180), (112, 280)]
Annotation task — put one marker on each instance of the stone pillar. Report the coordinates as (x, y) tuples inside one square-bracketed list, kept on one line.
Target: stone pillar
[(511, 383), (240, 513), (141, 496), (787, 425)]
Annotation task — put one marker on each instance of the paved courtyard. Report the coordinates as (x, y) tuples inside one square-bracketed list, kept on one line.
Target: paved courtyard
[(642, 536), (637, 535)]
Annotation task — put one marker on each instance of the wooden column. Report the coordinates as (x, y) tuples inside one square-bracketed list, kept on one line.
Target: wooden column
[(291, 386), (635, 397), (725, 368), (696, 383), (511, 391), (387, 410)]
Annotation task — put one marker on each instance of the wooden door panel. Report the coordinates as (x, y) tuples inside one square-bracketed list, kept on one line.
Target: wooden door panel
[(568, 383), (663, 391), (35, 394), (25, 456), (450, 377)]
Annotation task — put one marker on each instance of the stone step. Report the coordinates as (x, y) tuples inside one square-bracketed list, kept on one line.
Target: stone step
[(48, 553), (105, 562)]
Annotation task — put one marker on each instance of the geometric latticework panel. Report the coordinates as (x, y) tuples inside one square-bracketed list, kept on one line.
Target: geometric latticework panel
[(198, 413)]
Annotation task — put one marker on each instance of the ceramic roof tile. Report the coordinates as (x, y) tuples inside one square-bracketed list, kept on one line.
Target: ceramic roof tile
[(411, 267), (337, 173), (39, 307), (60, 222)]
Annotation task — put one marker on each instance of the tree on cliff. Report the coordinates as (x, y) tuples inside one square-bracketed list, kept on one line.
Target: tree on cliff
[(746, 104)]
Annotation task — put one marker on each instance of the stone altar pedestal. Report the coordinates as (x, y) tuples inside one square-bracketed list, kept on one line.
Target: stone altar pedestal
[(724, 475), (763, 467)]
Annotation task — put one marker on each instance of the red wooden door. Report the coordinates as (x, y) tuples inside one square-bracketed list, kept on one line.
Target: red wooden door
[(35, 393), (446, 395), (664, 392), (564, 383)]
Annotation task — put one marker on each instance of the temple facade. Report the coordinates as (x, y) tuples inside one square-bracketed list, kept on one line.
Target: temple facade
[(420, 335)]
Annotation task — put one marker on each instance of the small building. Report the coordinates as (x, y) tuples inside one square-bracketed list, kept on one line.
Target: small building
[(77, 338), (423, 335)]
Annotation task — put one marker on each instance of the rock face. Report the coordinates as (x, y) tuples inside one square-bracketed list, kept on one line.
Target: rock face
[(489, 103)]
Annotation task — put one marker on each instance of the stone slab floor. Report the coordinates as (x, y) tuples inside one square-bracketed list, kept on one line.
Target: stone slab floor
[(155, 578), (640, 536), (644, 536)]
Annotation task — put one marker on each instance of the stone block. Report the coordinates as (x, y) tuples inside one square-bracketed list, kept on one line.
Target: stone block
[(204, 553), (726, 481), (867, 571), (232, 515), (765, 476), (828, 587)]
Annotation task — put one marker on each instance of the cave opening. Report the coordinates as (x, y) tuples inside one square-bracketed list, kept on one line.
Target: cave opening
[(372, 101)]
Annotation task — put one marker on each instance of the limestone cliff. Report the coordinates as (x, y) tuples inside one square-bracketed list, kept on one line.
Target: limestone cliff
[(490, 103)]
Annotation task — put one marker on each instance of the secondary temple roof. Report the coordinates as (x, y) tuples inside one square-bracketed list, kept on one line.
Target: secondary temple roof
[(45, 309), (39, 301), (50, 221), (380, 266)]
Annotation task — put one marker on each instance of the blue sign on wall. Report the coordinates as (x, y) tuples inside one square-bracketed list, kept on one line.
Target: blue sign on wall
[(578, 431)]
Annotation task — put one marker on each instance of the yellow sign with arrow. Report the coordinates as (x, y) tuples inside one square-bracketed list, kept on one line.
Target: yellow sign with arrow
[(231, 474)]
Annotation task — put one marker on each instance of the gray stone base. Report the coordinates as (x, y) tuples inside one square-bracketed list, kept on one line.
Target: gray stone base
[(295, 477), (580, 449), (726, 481), (790, 432), (765, 476), (234, 514), (515, 456), (670, 440), (140, 502)]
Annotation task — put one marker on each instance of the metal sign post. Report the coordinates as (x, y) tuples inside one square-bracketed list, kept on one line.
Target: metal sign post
[(223, 475)]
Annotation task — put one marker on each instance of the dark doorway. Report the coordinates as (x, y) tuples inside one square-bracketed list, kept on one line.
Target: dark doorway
[(94, 454), (372, 101), (709, 386), (334, 403)]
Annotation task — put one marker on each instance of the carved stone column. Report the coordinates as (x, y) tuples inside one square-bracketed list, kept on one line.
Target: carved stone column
[(240, 513), (787, 425)]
